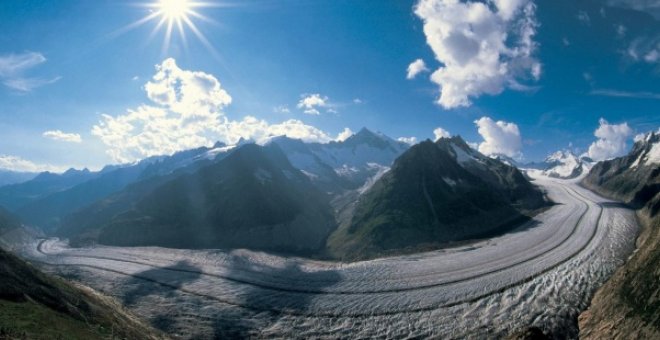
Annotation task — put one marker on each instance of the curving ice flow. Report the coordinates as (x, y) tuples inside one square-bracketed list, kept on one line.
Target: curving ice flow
[(543, 274)]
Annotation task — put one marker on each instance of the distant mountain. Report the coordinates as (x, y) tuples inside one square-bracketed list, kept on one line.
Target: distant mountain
[(435, 193), (348, 164), (13, 177), (83, 224), (15, 196), (48, 211), (564, 164), (631, 298), (254, 198)]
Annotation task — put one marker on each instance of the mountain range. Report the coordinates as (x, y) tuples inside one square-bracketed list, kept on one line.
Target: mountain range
[(8, 177), (359, 198)]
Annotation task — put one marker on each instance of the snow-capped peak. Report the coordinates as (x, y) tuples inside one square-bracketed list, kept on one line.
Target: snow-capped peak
[(565, 164), (648, 149)]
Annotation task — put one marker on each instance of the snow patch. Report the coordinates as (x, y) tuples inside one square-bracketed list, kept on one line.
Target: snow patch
[(373, 179), (449, 181), (653, 156)]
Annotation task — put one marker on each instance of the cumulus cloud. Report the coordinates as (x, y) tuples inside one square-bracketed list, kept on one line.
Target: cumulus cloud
[(441, 133), (344, 135), (408, 140), (500, 138), (63, 136), (416, 67), (611, 140), (310, 103), (483, 47), (261, 131), (186, 111), (14, 66), (14, 163)]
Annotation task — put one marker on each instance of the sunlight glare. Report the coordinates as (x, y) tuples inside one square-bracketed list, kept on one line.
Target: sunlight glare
[(174, 9)]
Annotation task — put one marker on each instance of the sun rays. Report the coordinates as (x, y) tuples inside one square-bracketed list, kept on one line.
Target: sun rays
[(174, 15)]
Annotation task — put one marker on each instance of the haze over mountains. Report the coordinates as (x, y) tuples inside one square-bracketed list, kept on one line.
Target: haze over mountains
[(286, 196)]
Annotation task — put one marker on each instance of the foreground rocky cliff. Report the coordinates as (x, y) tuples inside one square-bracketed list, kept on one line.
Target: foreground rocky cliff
[(628, 305), (34, 305)]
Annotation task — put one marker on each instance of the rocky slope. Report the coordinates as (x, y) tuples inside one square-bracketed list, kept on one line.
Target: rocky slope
[(253, 199), (435, 193), (34, 305), (628, 305), (37, 306)]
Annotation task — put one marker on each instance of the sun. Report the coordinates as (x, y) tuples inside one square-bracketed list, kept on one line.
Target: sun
[(175, 14), (174, 9)]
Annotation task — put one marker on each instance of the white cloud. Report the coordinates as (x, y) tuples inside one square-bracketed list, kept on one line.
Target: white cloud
[(611, 140), (14, 163), (652, 56), (500, 138), (310, 103), (483, 47), (584, 17), (357, 101), (649, 6), (408, 140), (12, 69), (441, 133), (14, 64), (281, 109), (344, 135), (565, 41), (63, 136), (261, 131), (625, 94), (416, 67), (28, 84), (186, 112), (645, 49), (621, 31)]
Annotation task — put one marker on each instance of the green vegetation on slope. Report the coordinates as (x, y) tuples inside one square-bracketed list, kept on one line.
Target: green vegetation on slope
[(34, 305)]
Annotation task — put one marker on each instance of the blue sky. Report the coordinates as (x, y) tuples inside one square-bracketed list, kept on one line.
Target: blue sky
[(65, 63)]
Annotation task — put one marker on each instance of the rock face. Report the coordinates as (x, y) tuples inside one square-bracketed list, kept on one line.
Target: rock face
[(252, 199), (628, 305), (434, 193)]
